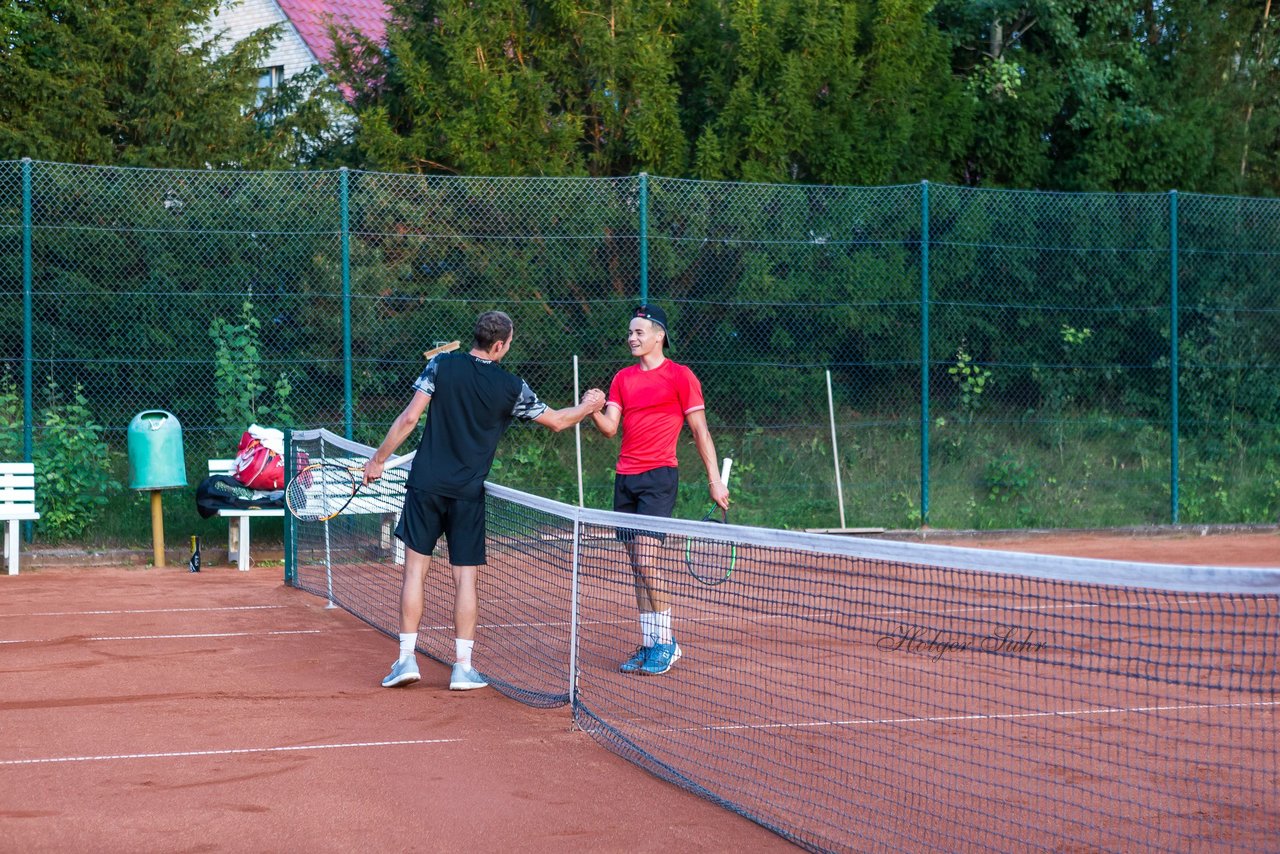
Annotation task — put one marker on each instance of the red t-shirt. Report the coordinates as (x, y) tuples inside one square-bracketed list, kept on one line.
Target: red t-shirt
[(654, 405)]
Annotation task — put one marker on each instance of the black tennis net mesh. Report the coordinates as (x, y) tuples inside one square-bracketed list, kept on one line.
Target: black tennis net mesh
[(858, 695)]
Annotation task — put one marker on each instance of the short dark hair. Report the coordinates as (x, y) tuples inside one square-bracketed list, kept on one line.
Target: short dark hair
[(492, 327)]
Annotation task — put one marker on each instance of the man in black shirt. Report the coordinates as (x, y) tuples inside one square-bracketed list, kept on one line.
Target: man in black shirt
[(473, 400)]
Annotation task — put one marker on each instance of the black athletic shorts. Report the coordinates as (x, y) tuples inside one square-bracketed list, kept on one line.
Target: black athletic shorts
[(649, 493), (426, 516)]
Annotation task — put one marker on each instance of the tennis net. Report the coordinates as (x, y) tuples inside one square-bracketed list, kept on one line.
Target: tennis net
[(856, 695)]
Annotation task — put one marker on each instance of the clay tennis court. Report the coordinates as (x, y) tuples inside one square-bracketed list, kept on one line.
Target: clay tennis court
[(155, 709)]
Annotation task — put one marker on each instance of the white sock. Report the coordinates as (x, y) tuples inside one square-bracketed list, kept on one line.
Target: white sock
[(462, 649), (663, 621), (408, 640), (648, 628)]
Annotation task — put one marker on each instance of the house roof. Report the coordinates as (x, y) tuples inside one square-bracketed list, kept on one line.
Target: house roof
[(311, 18)]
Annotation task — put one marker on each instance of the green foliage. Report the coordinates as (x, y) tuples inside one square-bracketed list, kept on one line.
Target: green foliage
[(837, 92), (11, 417), (1113, 95), (1063, 385), (239, 385), (819, 90), (1007, 478), (1105, 95), (970, 379), (72, 458), (93, 81)]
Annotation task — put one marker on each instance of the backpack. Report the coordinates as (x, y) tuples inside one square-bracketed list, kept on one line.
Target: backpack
[(259, 459), (222, 492)]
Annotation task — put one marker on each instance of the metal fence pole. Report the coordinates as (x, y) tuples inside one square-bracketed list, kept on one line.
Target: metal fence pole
[(1173, 356), (28, 353), (644, 238), (347, 401), (924, 353)]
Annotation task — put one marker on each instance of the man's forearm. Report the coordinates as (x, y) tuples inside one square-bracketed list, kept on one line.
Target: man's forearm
[(398, 432)]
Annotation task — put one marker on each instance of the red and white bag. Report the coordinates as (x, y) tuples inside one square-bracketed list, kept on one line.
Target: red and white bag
[(260, 459)]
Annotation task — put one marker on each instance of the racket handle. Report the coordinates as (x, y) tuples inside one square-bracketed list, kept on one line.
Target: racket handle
[(392, 462), (724, 471)]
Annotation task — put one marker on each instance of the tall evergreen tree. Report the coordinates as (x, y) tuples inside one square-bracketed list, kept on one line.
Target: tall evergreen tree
[(1115, 94), (507, 88), (832, 91), (94, 81)]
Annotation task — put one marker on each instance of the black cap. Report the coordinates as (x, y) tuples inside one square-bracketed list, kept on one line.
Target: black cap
[(657, 315)]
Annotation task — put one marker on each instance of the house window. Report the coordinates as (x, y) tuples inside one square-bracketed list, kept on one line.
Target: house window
[(269, 80)]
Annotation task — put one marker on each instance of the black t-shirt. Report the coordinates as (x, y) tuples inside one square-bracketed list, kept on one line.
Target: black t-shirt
[(472, 403)]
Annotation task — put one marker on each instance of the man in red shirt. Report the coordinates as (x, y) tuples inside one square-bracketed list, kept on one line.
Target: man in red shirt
[(652, 400)]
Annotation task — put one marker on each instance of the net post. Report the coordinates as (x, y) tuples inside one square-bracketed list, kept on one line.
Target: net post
[(924, 354), (290, 469), (835, 448), (1173, 356), (328, 552), (577, 430)]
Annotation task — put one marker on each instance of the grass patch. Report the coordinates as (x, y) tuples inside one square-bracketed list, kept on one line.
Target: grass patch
[(1091, 471)]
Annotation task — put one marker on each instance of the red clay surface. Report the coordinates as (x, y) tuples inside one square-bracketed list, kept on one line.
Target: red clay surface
[(1261, 548), (159, 710)]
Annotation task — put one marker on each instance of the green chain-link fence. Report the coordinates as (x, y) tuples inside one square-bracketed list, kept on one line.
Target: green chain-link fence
[(1056, 339)]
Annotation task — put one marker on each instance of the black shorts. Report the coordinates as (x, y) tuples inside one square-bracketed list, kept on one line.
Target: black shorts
[(649, 493), (426, 516)]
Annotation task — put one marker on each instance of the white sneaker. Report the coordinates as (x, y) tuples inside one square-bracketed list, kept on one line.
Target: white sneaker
[(404, 671), (465, 678)]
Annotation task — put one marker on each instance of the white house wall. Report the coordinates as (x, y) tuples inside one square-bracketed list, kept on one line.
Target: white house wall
[(238, 20)]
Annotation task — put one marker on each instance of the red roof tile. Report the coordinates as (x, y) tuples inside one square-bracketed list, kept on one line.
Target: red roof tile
[(312, 19)]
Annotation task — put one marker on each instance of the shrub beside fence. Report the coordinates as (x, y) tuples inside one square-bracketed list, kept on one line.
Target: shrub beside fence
[(999, 358)]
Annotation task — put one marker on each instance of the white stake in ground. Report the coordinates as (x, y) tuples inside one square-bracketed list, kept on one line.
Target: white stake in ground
[(835, 449), (577, 429)]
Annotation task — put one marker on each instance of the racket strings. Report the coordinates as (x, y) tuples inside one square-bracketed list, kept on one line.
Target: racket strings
[(711, 561), (320, 492)]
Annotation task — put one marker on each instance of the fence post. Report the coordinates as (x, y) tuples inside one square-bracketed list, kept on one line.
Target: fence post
[(28, 353), (290, 555), (1173, 356), (924, 354), (347, 402), (644, 238)]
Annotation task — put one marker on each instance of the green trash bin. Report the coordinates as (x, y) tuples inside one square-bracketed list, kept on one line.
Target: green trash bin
[(155, 451)]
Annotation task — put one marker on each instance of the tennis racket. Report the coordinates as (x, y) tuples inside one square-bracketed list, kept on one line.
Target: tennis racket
[(321, 491), (712, 561)]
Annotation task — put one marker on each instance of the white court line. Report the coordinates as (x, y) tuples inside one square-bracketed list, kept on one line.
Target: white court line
[(180, 637), (993, 717), (228, 752), (144, 611)]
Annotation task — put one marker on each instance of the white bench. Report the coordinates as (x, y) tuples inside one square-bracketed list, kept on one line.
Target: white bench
[(384, 499), (238, 520), (17, 504)]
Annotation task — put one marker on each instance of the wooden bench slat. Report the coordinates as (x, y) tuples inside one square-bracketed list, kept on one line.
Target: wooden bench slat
[(17, 468)]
